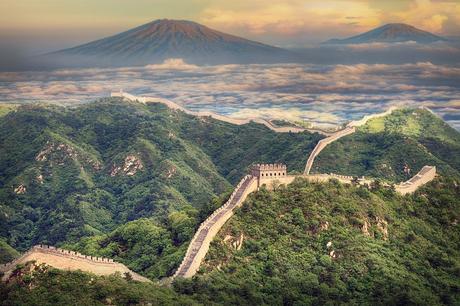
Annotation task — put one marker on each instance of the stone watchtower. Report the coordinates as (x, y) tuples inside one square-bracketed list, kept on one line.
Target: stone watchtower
[(267, 172)]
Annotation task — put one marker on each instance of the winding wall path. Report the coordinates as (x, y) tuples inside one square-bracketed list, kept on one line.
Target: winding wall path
[(323, 143), (199, 245), (349, 129), (175, 106)]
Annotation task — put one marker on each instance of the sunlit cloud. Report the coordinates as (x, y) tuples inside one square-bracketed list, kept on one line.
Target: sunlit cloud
[(320, 94), (172, 64)]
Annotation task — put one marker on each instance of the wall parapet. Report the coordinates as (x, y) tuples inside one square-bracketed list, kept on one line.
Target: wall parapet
[(425, 175), (43, 248), (69, 260), (199, 244)]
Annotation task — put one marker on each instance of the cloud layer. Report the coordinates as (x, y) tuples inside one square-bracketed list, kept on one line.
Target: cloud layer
[(321, 94)]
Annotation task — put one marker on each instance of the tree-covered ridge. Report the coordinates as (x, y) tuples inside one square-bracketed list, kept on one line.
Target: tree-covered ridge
[(70, 173), (34, 284), (314, 243), (395, 147), (303, 244)]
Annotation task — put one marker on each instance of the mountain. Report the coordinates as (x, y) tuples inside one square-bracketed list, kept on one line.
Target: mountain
[(137, 176), (385, 146), (133, 181), (162, 39), (304, 244), (390, 33)]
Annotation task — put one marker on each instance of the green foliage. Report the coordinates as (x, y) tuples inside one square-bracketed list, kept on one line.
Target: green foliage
[(385, 146), (65, 158), (145, 246), (5, 108), (44, 286), (387, 249), (7, 253)]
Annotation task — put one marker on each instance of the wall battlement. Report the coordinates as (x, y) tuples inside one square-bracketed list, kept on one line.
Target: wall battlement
[(69, 260), (57, 251), (263, 172)]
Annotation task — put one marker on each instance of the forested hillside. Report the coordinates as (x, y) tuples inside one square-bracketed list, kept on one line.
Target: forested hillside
[(395, 147), (312, 243), (124, 174), (303, 244)]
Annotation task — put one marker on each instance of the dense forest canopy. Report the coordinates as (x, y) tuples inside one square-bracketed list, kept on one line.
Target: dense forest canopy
[(303, 244)]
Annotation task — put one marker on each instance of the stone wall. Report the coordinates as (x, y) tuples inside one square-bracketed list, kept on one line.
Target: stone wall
[(323, 143), (209, 228), (366, 118), (425, 175), (172, 105), (69, 260)]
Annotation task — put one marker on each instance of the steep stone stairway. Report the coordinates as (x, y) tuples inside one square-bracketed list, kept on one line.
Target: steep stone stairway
[(210, 227)]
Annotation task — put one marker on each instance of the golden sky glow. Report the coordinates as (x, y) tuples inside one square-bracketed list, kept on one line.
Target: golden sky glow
[(278, 22)]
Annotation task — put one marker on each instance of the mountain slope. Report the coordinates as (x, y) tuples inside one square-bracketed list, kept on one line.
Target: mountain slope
[(70, 173), (315, 244), (305, 244), (395, 147), (390, 33), (162, 39)]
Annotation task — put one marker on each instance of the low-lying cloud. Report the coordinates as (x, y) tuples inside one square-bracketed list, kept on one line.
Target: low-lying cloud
[(324, 94)]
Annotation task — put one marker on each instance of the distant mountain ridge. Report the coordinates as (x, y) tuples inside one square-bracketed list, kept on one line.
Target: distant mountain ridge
[(162, 39), (390, 33)]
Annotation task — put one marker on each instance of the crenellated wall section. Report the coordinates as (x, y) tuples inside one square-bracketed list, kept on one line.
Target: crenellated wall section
[(209, 228), (69, 260)]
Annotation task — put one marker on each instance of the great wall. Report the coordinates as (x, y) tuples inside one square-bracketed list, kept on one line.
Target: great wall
[(175, 106), (261, 174), (349, 129), (69, 260)]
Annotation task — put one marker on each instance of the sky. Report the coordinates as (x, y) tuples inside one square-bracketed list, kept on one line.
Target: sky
[(326, 93), (36, 26)]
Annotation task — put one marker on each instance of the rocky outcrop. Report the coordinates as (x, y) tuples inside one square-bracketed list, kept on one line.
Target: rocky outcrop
[(381, 225), (131, 165), (20, 189), (59, 152)]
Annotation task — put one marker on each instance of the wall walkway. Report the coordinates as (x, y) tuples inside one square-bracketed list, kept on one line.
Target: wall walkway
[(199, 245), (425, 175), (323, 143)]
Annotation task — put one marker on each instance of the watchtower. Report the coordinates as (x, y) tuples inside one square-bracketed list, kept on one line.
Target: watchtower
[(264, 172)]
